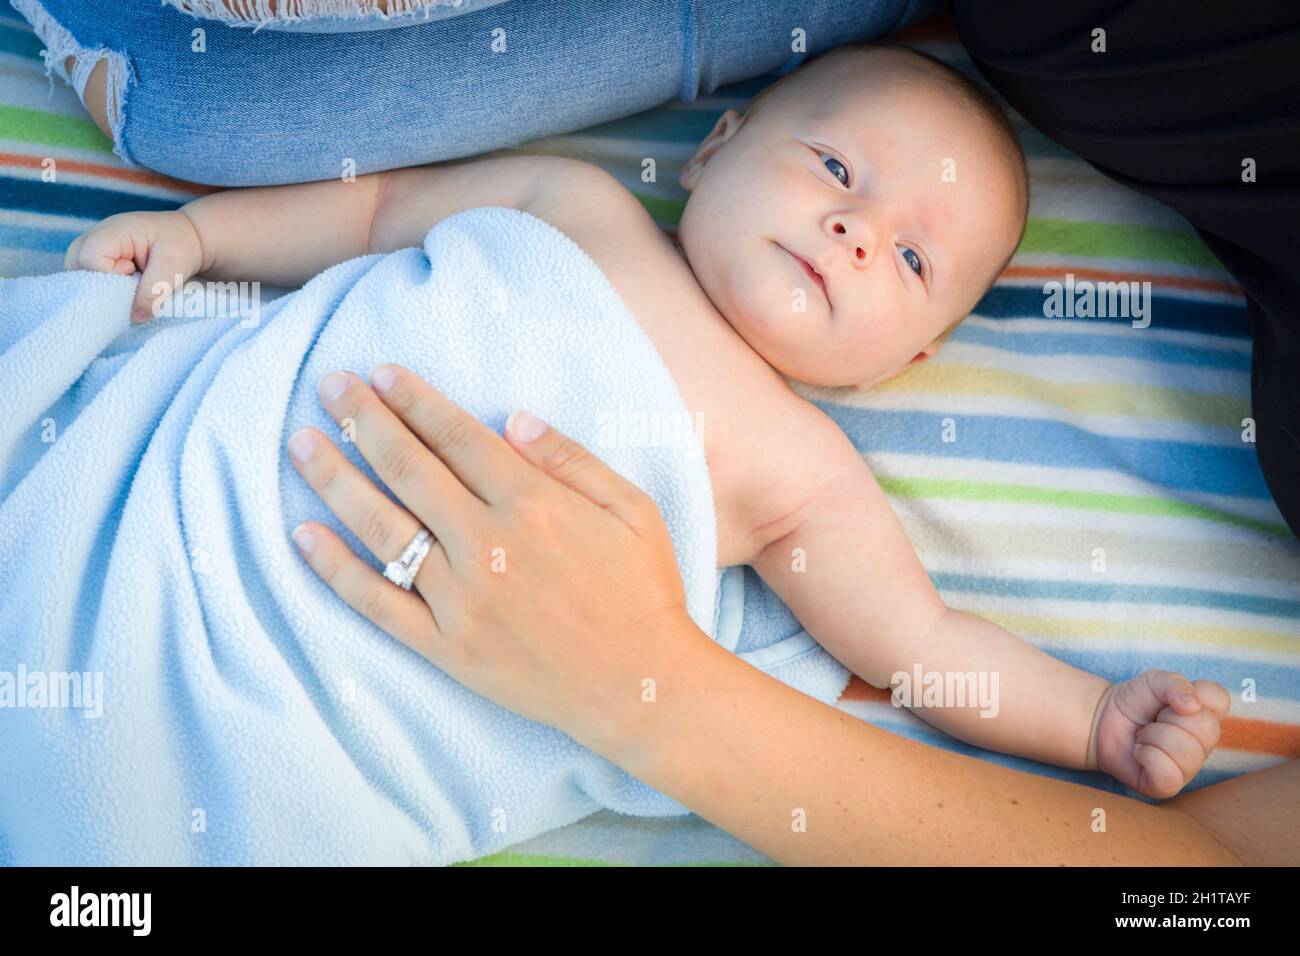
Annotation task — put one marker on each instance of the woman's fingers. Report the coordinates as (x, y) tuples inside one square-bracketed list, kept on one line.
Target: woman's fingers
[(383, 527), (414, 474), (580, 553), (473, 452), (574, 467), (403, 614)]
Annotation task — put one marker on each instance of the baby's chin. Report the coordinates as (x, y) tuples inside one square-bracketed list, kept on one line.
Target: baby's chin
[(770, 337), (754, 312)]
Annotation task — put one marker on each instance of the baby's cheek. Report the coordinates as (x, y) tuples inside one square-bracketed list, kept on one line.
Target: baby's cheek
[(753, 299)]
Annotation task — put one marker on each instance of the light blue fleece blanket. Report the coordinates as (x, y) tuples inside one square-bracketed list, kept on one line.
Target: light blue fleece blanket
[(176, 685)]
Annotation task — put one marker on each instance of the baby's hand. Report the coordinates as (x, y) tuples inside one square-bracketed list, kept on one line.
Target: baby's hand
[(1154, 732), (161, 245)]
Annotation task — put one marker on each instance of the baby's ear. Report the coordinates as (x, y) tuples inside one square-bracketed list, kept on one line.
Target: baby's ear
[(926, 353), (723, 130)]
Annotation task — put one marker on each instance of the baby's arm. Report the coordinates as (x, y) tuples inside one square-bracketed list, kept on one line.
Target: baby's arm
[(863, 594), (285, 235)]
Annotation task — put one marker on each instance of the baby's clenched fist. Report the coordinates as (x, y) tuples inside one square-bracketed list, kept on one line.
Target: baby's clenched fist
[(1154, 732)]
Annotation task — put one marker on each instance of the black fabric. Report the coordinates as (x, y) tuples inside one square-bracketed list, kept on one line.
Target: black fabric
[(1186, 90)]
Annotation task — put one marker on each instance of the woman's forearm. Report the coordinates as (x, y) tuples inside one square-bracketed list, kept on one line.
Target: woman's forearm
[(807, 784)]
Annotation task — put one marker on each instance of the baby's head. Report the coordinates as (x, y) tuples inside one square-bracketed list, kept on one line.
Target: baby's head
[(898, 180)]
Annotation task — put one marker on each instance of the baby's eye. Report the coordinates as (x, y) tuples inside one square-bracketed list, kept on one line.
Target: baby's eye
[(837, 168), (913, 260)]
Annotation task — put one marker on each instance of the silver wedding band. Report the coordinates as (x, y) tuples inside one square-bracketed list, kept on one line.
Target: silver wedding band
[(402, 572)]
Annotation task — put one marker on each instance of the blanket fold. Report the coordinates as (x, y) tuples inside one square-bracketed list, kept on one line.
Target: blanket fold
[(245, 714)]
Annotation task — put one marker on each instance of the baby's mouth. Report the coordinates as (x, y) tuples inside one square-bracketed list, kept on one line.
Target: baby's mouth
[(810, 272)]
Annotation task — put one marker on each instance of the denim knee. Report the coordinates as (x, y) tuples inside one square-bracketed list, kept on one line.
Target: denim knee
[(199, 100)]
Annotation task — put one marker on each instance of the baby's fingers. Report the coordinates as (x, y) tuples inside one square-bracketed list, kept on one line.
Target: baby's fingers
[(1203, 726), (1169, 757), (93, 252), (1214, 697), (1173, 689), (71, 257), (101, 250), (164, 272)]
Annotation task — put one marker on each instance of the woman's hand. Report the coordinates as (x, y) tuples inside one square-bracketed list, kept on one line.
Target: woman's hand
[(551, 587)]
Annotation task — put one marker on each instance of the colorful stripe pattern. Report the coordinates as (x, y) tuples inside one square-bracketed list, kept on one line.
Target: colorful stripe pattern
[(1080, 481)]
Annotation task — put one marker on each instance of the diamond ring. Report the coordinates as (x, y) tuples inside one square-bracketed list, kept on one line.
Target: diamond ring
[(402, 572)]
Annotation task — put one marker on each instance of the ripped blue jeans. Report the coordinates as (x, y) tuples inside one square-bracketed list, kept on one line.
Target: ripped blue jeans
[(238, 104)]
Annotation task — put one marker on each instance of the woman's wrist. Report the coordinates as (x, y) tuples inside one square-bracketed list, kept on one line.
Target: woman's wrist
[(630, 721)]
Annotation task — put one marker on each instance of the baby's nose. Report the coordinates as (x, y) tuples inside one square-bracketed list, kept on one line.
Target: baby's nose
[(859, 236)]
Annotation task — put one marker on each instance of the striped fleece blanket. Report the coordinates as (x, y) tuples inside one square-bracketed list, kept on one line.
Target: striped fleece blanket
[(1083, 482)]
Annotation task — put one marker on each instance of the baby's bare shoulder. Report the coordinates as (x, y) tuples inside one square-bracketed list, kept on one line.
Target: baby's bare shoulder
[(638, 258), (795, 455), (601, 215), (574, 190)]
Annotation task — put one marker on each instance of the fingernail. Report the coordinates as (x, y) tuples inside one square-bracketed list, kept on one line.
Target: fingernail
[(524, 426), (303, 539), (333, 385), (139, 316), (302, 446), (1189, 698), (383, 377)]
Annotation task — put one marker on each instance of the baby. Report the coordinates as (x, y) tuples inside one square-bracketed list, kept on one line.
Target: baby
[(835, 233)]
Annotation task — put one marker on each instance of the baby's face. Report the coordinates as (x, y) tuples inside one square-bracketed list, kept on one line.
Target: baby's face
[(880, 177)]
